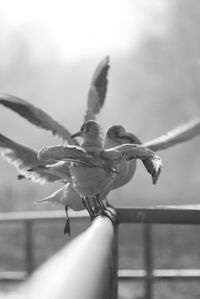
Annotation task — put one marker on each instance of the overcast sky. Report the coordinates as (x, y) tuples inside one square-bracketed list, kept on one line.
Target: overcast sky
[(72, 30)]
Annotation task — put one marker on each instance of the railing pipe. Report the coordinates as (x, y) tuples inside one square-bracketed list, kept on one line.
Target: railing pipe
[(81, 270), (115, 261), (179, 214), (29, 247), (148, 260), (160, 274)]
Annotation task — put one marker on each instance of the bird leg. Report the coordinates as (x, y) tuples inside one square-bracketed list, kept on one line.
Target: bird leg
[(88, 207), (103, 209), (67, 229), (96, 207)]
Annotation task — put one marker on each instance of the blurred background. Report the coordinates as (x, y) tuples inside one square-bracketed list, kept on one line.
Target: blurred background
[(48, 53)]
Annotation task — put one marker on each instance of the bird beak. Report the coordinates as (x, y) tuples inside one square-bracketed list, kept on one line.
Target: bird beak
[(78, 134)]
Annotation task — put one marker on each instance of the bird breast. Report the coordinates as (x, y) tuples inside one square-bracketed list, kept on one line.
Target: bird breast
[(122, 173), (90, 181)]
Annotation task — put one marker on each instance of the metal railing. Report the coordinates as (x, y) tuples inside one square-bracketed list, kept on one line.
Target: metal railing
[(84, 269), (186, 214)]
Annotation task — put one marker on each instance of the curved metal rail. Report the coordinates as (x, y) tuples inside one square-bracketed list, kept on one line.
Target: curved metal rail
[(83, 269)]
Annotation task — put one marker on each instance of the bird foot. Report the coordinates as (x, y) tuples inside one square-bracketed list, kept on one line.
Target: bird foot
[(105, 210), (94, 215), (107, 213), (67, 228)]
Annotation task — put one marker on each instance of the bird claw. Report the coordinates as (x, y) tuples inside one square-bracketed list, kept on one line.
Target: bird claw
[(104, 211), (109, 214)]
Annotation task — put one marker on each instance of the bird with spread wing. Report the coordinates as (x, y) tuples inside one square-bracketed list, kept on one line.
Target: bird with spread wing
[(49, 170), (25, 159), (29, 166), (93, 169)]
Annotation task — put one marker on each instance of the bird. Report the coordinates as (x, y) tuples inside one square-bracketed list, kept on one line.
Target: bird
[(117, 135), (23, 157), (29, 166), (93, 168)]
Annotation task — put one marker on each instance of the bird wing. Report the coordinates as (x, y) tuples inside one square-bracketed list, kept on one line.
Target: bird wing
[(180, 134), (133, 151), (151, 165), (36, 116), (98, 89), (24, 159), (74, 154), (129, 151)]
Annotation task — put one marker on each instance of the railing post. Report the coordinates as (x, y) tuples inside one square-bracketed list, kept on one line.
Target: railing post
[(115, 262), (148, 260), (29, 246)]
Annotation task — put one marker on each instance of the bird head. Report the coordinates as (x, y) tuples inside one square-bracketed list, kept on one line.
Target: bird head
[(116, 135), (89, 130)]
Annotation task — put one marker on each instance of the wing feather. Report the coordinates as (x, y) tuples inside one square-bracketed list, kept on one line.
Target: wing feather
[(36, 116), (98, 89), (180, 134), (153, 166), (24, 159), (69, 153), (129, 151)]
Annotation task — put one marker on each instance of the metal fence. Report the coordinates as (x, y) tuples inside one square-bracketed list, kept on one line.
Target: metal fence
[(147, 216)]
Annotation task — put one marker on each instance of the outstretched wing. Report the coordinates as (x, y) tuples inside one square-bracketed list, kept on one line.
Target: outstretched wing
[(129, 151), (98, 89), (36, 116), (151, 165), (180, 134), (135, 151), (69, 153), (25, 159)]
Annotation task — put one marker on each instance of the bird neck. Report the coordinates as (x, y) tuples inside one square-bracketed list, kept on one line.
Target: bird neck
[(108, 143)]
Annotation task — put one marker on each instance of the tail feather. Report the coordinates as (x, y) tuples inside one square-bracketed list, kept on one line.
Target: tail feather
[(54, 198)]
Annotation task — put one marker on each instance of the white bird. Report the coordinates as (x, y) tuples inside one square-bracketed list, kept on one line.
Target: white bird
[(93, 169), (117, 135), (23, 157), (26, 160)]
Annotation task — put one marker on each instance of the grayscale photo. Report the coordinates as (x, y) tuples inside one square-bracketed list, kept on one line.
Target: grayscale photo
[(99, 149)]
